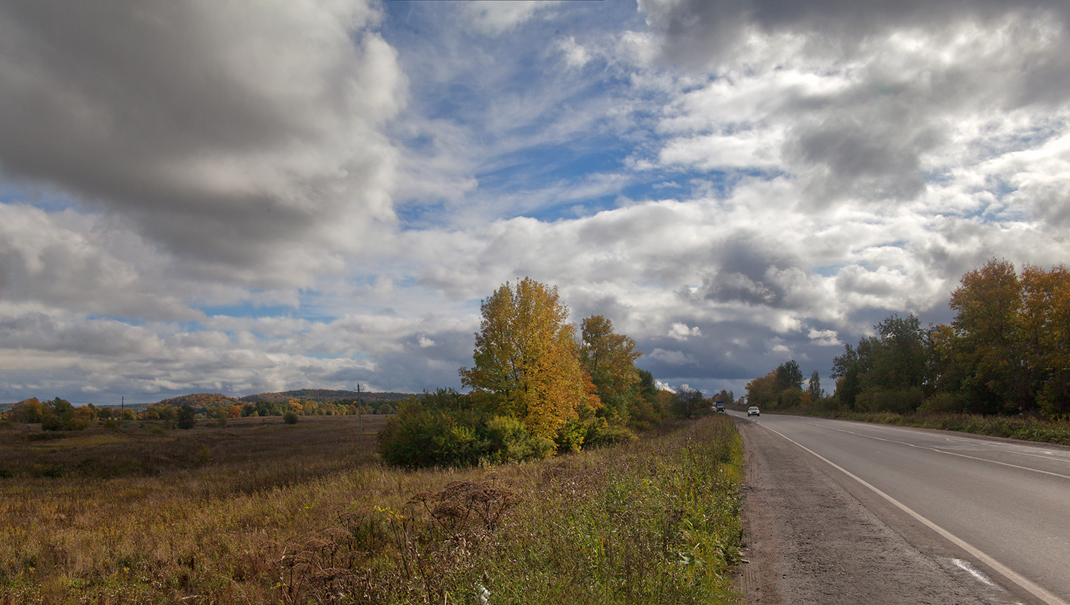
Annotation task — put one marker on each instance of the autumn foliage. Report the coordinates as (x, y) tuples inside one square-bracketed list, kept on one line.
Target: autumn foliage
[(537, 387), (526, 356)]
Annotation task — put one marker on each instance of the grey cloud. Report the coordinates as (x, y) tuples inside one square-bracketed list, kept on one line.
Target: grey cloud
[(727, 355), (697, 31), (222, 131), (858, 280), (744, 271), (1052, 207), (100, 337), (875, 160)]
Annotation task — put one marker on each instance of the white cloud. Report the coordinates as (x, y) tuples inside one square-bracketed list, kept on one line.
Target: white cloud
[(680, 331), (664, 386), (825, 338), (576, 56)]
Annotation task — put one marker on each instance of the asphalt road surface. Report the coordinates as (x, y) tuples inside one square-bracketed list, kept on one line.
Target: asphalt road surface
[(990, 516)]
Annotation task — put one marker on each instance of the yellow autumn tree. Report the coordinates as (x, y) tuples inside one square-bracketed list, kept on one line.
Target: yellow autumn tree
[(526, 357)]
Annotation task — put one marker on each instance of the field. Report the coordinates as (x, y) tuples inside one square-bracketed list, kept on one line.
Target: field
[(262, 512)]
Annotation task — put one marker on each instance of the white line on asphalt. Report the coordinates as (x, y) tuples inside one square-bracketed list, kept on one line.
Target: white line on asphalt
[(1002, 569)]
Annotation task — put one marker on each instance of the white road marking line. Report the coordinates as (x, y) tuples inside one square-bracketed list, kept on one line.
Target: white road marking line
[(1000, 568)]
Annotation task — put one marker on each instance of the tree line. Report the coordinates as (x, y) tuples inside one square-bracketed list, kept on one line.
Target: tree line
[(539, 385), (1007, 351), (60, 415)]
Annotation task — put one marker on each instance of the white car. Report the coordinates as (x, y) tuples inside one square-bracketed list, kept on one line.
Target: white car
[(753, 411)]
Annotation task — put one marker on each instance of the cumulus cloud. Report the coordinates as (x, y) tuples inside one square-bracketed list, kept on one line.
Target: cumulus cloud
[(74, 261), (575, 55), (245, 137), (680, 331)]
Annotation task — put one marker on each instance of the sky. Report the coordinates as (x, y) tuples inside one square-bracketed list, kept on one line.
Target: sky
[(252, 196)]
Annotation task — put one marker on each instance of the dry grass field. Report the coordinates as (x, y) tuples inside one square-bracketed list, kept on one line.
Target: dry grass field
[(315, 445), (262, 512)]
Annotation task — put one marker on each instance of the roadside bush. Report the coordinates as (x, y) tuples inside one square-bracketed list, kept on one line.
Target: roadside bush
[(421, 438), (607, 433), (510, 441), (896, 402), (943, 403), (570, 437), (1054, 397)]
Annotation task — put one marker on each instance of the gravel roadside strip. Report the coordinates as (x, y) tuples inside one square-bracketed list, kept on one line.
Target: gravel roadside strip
[(810, 541)]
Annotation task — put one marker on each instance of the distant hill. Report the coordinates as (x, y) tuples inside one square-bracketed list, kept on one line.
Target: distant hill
[(324, 395), (199, 400)]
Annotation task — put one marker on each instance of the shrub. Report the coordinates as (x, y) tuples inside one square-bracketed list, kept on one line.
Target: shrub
[(187, 419), (420, 438), (1054, 396), (51, 422), (602, 434), (571, 436), (289, 418), (510, 441), (943, 403)]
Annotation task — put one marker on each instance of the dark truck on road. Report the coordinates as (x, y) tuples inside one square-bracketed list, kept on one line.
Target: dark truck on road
[(718, 406)]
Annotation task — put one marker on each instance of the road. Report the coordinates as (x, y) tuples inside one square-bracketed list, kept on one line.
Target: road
[(1000, 509)]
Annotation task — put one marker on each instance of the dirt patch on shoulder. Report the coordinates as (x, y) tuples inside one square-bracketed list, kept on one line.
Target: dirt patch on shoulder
[(809, 541)]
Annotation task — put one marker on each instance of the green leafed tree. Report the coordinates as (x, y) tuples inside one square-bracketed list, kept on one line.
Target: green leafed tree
[(815, 392), (609, 359), (987, 305), (1045, 337), (187, 417)]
